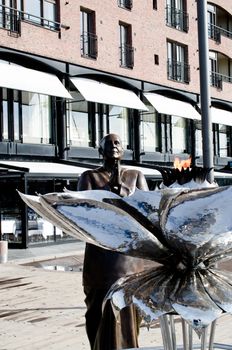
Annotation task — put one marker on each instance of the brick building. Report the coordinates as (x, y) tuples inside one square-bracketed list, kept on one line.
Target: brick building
[(74, 70)]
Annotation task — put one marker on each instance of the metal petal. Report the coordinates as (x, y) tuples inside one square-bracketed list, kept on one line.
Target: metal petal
[(218, 289), (147, 290), (108, 226), (193, 303), (34, 202), (198, 224)]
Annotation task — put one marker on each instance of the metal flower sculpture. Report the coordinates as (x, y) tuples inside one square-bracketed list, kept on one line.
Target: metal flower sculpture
[(187, 231)]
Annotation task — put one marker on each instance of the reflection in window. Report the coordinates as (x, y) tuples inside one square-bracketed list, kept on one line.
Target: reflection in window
[(5, 134), (16, 116), (88, 33), (198, 138), (178, 135), (42, 12), (36, 118), (149, 131), (178, 67), (118, 123), (78, 122), (222, 130), (33, 8)]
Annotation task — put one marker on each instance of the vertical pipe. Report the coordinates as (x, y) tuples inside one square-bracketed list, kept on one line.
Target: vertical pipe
[(207, 142)]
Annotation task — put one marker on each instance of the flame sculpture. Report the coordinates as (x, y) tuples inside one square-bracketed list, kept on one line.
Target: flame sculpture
[(187, 231)]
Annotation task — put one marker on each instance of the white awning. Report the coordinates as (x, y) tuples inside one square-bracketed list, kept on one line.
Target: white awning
[(46, 168), (16, 77), (95, 91), (171, 106), (221, 116)]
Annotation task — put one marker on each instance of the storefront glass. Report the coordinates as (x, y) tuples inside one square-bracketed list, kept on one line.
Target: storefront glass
[(149, 130), (36, 118), (118, 123), (178, 135)]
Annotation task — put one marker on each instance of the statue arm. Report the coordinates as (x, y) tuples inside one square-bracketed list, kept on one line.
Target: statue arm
[(141, 182), (84, 182)]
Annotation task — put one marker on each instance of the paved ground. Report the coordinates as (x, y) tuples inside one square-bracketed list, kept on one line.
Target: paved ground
[(43, 307)]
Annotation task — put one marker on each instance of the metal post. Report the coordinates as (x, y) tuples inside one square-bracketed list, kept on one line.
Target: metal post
[(207, 140)]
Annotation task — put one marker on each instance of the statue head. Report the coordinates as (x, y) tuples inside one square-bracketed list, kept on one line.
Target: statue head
[(110, 147)]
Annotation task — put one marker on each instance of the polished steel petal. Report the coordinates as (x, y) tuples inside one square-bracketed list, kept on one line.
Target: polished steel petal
[(48, 214), (108, 226), (218, 289), (147, 290), (196, 220), (192, 302)]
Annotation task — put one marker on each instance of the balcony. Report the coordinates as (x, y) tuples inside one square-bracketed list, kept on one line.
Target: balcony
[(126, 56), (89, 45), (178, 71), (216, 79), (215, 33), (126, 4), (11, 18), (177, 19)]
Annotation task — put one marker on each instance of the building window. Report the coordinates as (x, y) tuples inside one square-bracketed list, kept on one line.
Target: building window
[(88, 122), (88, 34), (179, 141), (41, 12), (221, 138), (176, 14), (213, 31), (126, 49), (9, 17), (177, 65), (149, 131), (126, 4), (36, 118), (26, 117), (119, 123), (78, 122)]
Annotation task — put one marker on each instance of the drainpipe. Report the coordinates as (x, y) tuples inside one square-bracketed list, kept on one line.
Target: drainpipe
[(205, 99)]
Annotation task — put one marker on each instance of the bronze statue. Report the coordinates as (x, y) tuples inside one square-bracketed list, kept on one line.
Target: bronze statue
[(103, 267)]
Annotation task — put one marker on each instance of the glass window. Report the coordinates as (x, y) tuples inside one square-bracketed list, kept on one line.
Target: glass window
[(126, 49), (78, 123), (42, 12), (223, 150), (176, 15), (33, 8), (88, 33), (16, 116), (178, 68), (198, 138), (101, 119), (5, 133), (118, 123), (149, 130), (36, 118), (178, 135)]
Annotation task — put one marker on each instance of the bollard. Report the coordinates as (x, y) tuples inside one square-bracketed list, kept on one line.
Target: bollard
[(3, 252)]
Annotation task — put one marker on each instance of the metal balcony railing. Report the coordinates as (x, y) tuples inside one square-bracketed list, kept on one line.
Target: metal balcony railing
[(126, 56), (178, 71), (177, 18), (127, 4), (10, 19), (215, 32), (89, 45), (216, 79)]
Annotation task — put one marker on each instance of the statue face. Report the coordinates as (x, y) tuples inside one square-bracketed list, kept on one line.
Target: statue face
[(112, 147)]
